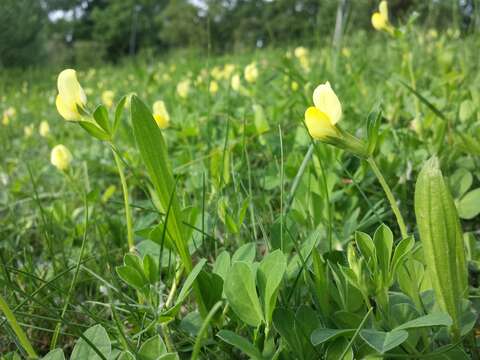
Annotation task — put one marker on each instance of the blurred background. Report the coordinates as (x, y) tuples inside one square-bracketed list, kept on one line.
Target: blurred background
[(81, 32)]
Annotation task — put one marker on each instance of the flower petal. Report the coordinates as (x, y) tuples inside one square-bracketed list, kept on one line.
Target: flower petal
[(318, 124), (327, 102)]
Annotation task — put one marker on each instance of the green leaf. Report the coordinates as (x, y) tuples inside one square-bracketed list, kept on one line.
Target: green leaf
[(131, 276), (336, 349), (442, 239), (152, 348), (94, 130), (269, 276), (56, 354), (101, 117), (222, 264), (126, 355), (118, 113), (284, 323), (384, 341), (242, 295), (469, 205), (321, 335), (401, 251), (460, 182), (438, 319), (240, 343), (245, 253), (367, 248), (383, 239), (150, 269), (466, 111), (99, 339), (153, 151)]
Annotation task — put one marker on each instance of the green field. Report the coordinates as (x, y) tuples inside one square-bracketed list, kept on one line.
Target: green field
[(232, 233)]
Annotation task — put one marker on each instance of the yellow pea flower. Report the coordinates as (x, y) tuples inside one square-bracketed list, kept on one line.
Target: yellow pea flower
[(61, 157), (161, 115), (235, 83), (251, 73), (380, 18), (8, 114), (70, 95), (300, 52), (107, 98), (213, 88), (28, 130), (44, 129), (321, 118), (183, 88), (228, 70)]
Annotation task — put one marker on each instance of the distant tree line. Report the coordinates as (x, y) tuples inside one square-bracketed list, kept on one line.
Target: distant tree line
[(36, 31)]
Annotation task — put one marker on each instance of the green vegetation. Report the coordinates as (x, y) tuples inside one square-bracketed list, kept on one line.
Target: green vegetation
[(251, 239)]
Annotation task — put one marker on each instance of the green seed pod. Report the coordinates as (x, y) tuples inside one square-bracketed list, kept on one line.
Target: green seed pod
[(442, 240)]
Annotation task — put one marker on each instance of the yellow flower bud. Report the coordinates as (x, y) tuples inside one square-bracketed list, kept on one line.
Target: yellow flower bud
[(251, 73), (294, 85), (235, 82), (61, 157), (160, 114), (183, 88), (70, 95), (107, 98), (8, 114), (44, 129), (213, 88)]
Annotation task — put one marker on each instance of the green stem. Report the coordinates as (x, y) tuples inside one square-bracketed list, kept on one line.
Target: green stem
[(390, 197), (126, 202), (12, 320)]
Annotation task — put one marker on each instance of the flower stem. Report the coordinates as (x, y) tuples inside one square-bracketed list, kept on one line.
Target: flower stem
[(126, 202), (12, 320), (390, 197)]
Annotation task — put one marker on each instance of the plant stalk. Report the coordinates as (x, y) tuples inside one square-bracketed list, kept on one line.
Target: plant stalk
[(390, 197), (126, 201)]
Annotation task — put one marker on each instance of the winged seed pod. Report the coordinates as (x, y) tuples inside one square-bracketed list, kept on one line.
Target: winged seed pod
[(442, 240)]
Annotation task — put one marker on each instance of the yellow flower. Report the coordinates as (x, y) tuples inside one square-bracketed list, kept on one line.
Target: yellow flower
[(160, 114), (107, 98), (300, 52), (213, 88), (321, 118), (61, 157), (228, 70), (251, 72), (28, 130), (183, 88), (8, 114), (380, 18), (70, 95), (294, 85), (44, 129), (235, 82)]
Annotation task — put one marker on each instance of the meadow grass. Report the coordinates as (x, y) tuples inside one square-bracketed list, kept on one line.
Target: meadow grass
[(246, 175)]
